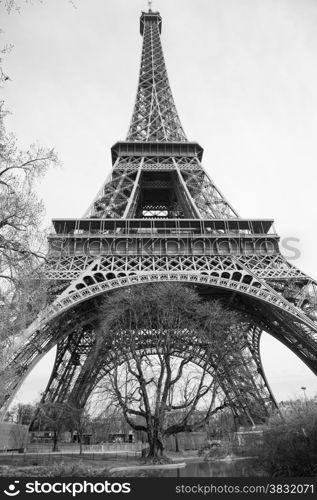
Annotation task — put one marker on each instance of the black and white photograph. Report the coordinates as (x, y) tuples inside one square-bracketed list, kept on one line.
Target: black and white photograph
[(158, 302)]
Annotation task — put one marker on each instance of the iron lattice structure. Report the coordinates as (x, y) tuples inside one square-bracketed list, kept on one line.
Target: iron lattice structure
[(159, 217)]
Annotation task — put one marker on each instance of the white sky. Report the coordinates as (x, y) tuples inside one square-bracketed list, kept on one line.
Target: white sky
[(244, 78)]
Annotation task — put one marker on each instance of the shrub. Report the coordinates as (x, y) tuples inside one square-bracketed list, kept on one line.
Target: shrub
[(216, 449), (75, 469), (289, 446)]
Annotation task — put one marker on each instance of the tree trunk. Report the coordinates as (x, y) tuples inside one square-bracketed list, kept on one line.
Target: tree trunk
[(176, 443), (80, 444), (156, 444), (55, 441), (156, 449)]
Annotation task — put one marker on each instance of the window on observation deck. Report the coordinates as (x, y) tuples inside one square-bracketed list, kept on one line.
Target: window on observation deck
[(155, 213)]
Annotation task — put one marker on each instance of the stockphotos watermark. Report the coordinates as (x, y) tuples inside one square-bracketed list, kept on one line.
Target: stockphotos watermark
[(60, 487), (61, 246), (291, 246)]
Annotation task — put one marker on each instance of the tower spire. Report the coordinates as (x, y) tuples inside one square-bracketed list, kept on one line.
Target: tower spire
[(155, 118)]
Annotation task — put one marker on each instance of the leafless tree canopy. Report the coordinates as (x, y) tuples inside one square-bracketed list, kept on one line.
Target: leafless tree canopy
[(169, 347), (58, 417), (22, 243)]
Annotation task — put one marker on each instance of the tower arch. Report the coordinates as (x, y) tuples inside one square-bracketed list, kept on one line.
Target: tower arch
[(160, 217)]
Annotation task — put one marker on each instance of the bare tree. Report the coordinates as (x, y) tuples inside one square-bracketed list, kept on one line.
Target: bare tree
[(22, 240), (20, 209), (159, 334), (106, 420), (15, 5), (58, 417), (10, 5), (79, 420), (54, 417), (22, 414)]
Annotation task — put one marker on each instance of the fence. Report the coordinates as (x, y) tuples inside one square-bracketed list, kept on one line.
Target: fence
[(87, 448), (41, 454)]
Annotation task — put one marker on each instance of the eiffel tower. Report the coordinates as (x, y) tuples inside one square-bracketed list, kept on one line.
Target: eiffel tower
[(160, 217)]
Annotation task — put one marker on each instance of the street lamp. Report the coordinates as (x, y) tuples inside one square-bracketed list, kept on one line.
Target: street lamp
[(304, 391)]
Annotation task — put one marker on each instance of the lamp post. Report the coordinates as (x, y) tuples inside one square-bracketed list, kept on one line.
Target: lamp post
[(304, 391)]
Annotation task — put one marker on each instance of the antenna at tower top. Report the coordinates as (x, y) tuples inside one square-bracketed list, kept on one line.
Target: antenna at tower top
[(150, 5)]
